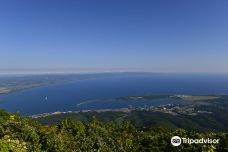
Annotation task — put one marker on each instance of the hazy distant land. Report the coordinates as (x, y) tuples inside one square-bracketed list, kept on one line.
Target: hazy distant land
[(14, 83)]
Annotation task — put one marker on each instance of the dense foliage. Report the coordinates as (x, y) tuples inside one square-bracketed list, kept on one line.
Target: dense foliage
[(19, 134)]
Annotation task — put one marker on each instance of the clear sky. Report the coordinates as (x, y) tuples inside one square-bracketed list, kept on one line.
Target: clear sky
[(114, 35)]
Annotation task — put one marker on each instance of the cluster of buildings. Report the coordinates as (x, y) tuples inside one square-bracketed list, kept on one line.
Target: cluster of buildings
[(176, 109)]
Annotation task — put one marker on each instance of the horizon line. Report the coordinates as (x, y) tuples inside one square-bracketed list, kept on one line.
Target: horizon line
[(97, 72)]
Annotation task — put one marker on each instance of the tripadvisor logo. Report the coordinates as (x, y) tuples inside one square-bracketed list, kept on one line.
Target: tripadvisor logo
[(176, 141)]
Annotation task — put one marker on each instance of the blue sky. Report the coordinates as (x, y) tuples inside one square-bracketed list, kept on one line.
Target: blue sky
[(114, 35)]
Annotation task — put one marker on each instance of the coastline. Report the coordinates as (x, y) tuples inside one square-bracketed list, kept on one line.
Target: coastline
[(172, 109), (126, 110)]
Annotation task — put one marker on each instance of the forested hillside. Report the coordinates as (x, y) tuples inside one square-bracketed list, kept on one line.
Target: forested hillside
[(20, 134)]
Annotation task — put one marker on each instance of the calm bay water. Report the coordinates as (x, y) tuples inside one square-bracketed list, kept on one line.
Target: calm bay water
[(65, 97)]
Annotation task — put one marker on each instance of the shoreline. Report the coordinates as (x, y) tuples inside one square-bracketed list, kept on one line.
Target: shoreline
[(42, 115), (172, 109)]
